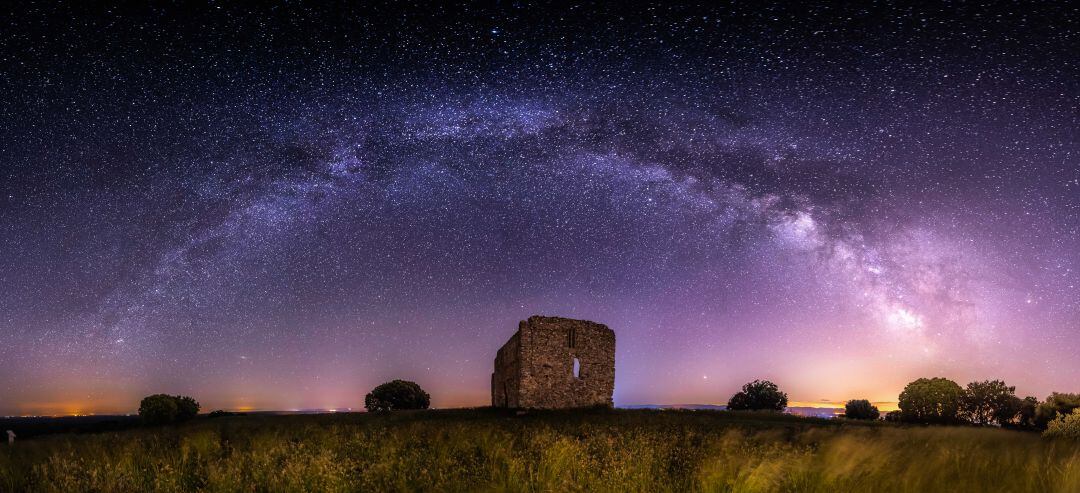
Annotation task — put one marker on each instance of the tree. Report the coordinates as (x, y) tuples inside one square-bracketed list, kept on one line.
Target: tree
[(861, 409), (397, 394), (1008, 415), (1018, 413), (931, 400), (738, 402), (1025, 418), (158, 409), (759, 395), (1055, 404), (164, 408), (187, 407), (989, 402)]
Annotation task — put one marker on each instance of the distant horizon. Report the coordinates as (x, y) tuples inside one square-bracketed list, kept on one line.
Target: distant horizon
[(884, 406)]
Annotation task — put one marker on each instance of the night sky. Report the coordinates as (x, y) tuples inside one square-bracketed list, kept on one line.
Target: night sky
[(280, 209)]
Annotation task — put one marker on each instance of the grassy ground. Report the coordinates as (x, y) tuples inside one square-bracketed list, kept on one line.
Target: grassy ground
[(487, 450)]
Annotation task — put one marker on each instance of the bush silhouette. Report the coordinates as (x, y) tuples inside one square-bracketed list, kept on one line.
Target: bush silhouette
[(759, 395), (861, 409), (395, 395), (158, 409), (163, 408), (931, 400)]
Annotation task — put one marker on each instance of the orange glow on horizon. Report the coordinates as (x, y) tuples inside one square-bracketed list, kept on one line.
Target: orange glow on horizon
[(883, 406), (81, 408)]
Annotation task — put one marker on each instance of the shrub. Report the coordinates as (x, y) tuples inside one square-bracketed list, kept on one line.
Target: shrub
[(397, 394), (931, 400), (163, 408), (1056, 404), (861, 409), (759, 395), (894, 416), (1065, 426), (158, 409)]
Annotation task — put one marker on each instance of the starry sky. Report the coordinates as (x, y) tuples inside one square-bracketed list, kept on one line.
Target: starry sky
[(281, 208)]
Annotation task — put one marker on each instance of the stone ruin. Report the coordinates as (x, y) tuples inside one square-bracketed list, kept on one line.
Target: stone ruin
[(553, 363)]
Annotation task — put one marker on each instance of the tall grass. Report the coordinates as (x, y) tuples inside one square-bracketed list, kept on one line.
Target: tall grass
[(483, 450)]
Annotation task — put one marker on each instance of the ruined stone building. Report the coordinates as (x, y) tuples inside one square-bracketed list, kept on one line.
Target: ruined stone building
[(553, 362)]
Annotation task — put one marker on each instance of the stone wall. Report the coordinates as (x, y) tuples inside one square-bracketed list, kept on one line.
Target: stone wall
[(505, 388), (535, 368)]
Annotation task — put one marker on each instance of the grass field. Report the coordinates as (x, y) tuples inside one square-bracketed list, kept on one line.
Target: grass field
[(488, 450)]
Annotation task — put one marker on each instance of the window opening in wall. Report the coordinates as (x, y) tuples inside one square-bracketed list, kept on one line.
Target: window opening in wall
[(577, 368)]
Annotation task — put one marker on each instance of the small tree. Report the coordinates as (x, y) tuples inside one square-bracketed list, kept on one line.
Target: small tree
[(989, 402), (395, 395), (1065, 426), (861, 409), (759, 395), (158, 409), (931, 400)]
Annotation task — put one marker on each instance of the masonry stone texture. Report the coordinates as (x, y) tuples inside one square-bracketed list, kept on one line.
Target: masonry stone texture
[(536, 368)]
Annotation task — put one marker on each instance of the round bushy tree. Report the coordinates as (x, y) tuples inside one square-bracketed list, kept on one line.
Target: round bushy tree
[(759, 395), (861, 409), (395, 395), (931, 400), (158, 409), (163, 408)]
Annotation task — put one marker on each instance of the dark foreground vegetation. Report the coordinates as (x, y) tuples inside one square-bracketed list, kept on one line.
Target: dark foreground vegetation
[(490, 450)]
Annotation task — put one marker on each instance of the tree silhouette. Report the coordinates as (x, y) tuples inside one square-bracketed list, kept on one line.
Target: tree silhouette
[(397, 394), (164, 408), (187, 407), (931, 400), (158, 409), (989, 402), (759, 395), (861, 409)]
